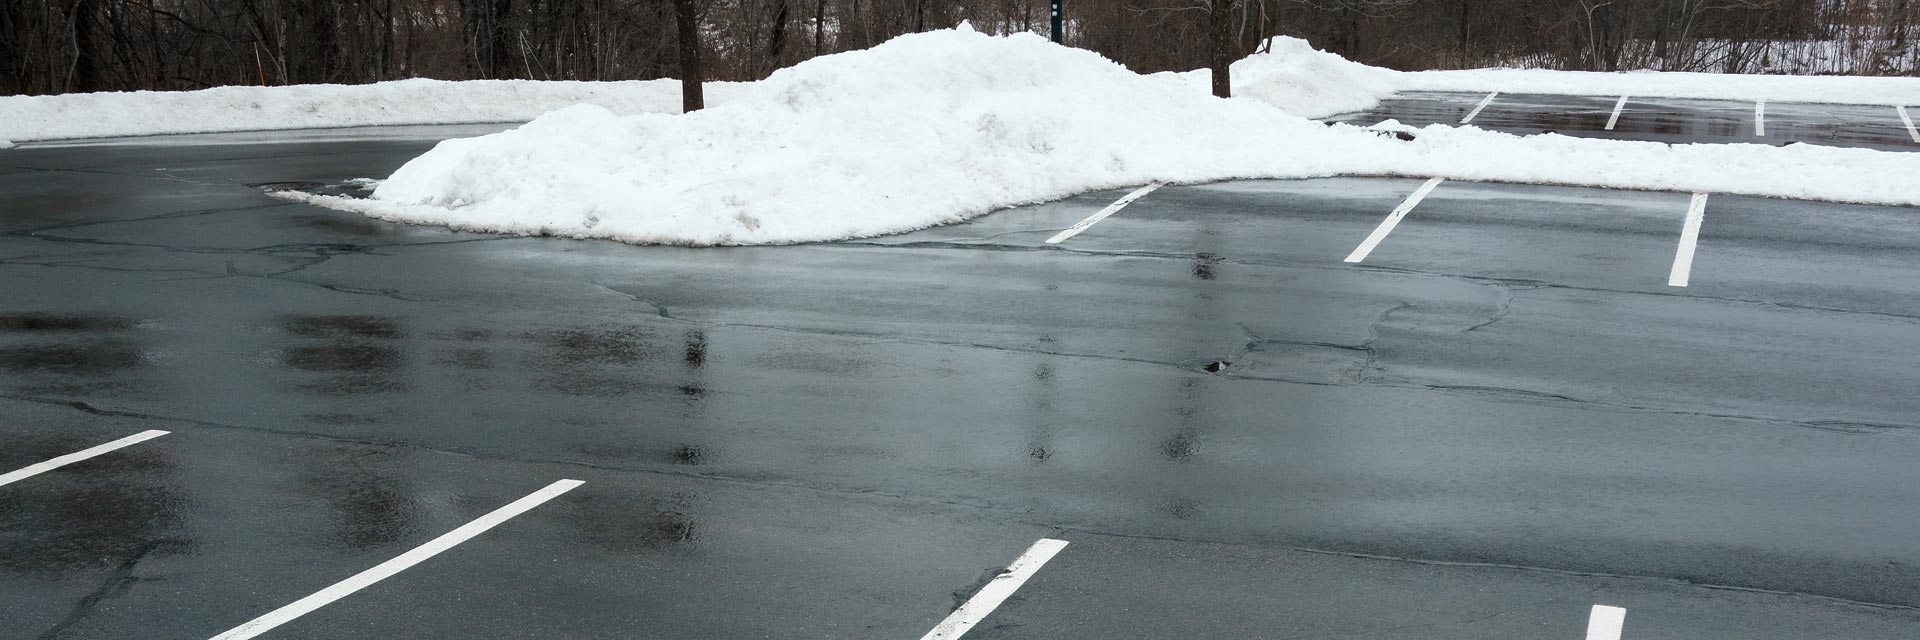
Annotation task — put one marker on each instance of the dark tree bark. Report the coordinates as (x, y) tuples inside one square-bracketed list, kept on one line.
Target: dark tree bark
[(819, 22), (777, 40), (86, 63), (686, 21), (1220, 49)]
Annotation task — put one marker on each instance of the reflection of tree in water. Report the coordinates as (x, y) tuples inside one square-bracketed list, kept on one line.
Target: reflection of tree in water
[(627, 522), (369, 506), (1040, 448), (352, 354), (121, 508), (69, 354), (597, 361)]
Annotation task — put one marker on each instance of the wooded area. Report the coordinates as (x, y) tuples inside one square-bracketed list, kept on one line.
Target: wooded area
[(57, 46)]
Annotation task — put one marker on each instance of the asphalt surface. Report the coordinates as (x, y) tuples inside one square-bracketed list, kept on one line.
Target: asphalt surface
[(1658, 119), (1501, 418)]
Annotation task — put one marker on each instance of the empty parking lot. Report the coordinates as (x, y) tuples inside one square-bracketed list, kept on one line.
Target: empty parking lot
[(1259, 409)]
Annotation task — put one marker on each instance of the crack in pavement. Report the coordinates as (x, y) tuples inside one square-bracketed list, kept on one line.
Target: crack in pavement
[(1677, 582), (116, 581), (1519, 283), (1372, 365), (1010, 513)]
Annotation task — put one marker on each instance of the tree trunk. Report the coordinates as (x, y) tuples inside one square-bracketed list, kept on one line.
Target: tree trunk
[(499, 44), (1220, 47), (86, 65), (819, 23), (777, 40), (686, 21)]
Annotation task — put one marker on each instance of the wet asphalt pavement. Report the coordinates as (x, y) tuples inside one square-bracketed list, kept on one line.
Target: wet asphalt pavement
[(1502, 417), (1659, 119)]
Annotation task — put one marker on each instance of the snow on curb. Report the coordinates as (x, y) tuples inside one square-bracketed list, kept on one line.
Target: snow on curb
[(938, 127), (401, 102)]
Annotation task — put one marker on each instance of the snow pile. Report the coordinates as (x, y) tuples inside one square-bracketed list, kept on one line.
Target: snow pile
[(1290, 74), (6, 144), (401, 102), (934, 128)]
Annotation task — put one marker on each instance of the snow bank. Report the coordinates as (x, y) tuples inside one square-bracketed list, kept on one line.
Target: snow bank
[(401, 102), (6, 144), (934, 128), (1651, 84), (1290, 74), (1308, 82)]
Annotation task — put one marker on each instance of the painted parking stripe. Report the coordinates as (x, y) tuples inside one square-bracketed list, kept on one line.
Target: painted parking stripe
[(1393, 220), (43, 467), (1760, 118), (1102, 214), (1689, 236), (1617, 106), (1476, 110), (1907, 119), (996, 592), (1605, 622), (399, 563)]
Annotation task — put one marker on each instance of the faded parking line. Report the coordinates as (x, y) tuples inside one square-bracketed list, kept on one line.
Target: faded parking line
[(1393, 220), (996, 592), (1102, 214), (1483, 105), (1689, 236), (43, 467), (1617, 106), (1760, 119), (1907, 119), (399, 563)]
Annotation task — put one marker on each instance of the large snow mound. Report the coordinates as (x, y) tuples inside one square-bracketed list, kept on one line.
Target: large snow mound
[(400, 102), (935, 128), (1290, 74)]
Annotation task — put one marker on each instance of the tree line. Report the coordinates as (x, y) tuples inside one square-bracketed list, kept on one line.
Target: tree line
[(60, 46)]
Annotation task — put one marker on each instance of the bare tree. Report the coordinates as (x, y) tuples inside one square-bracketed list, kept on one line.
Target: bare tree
[(686, 20)]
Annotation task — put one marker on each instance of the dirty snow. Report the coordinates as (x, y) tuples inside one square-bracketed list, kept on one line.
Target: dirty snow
[(935, 128)]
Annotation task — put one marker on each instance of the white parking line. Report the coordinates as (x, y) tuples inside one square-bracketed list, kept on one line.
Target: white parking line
[(1393, 220), (1102, 215), (1760, 119), (399, 563), (1476, 110), (1617, 106), (996, 592), (1689, 236), (1907, 119), (1605, 622), (43, 467)]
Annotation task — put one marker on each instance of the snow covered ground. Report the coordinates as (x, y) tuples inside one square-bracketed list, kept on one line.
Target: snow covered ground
[(401, 102), (938, 127), (1291, 75)]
